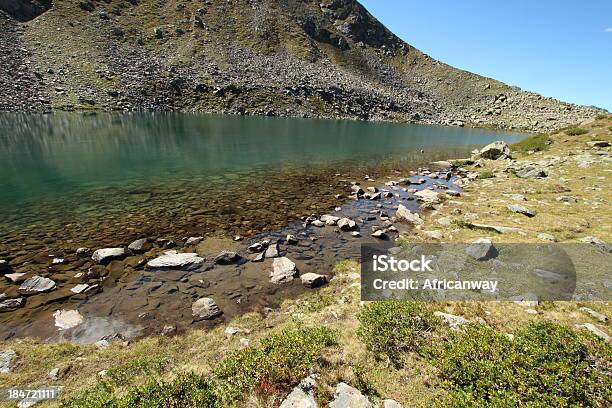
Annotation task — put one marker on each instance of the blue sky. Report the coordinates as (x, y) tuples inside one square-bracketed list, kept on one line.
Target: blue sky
[(557, 48)]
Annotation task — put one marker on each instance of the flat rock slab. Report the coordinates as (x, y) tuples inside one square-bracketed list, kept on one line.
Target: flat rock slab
[(105, 255), (8, 305), (519, 209), (205, 309), (349, 397), (140, 245), (67, 319), (283, 270), (36, 284), (6, 358), (174, 260)]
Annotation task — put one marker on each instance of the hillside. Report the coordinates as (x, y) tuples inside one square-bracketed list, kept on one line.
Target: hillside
[(323, 58)]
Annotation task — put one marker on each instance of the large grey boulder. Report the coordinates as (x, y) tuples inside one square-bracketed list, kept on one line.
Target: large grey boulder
[(36, 284), (404, 214), (174, 260), (106, 255), (6, 358), (283, 270), (205, 309), (481, 249), (495, 150), (349, 397), (428, 196), (302, 395)]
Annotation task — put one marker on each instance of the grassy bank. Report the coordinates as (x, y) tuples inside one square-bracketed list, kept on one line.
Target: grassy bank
[(508, 356)]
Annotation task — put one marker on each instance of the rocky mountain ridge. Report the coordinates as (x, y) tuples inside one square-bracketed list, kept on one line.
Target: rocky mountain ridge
[(302, 58)]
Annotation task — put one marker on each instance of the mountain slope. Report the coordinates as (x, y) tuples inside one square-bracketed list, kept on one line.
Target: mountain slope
[(324, 58)]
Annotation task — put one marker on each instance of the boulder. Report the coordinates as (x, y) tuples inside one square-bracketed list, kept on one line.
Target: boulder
[(595, 315), (318, 223), (140, 245), (283, 270), (174, 260), (598, 243), (272, 251), (404, 214), (7, 305), (6, 358), (67, 319), (106, 255), (428, 196), (227, 258), (389, 403), (346, 224), (329, 219), (595, 330), (349, 397), (291, 239), (547, 237), (454, 322), (495, 150), (15, 277), (302, 396), (205, 309), (380, 234), (531, 172), (313, 280), (36, 284), (482, 249), (515, 208)]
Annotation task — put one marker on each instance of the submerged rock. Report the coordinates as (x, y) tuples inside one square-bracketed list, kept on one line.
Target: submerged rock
[(272, 251), (105, 255), (283, 270), (596, 315), (349, 397), (227, 258), (291, 239), (174, 260), (36, 284), (205, 309), (7, 305), (67, 319)]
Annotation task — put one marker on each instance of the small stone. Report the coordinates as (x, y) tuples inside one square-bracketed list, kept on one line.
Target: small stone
[(598, 243), (482, 249), (567, 199), (404, 214), (596, 315), (244, 342), (283, 270), (101, 344), (521, 210), (168, 330), (140, 245), (380, 234), (435, 234), (313, 280), (531, 172), (428, 196), (346, 224), (6, 358), (36, 284), (177, 261), (356, 234), (291, 239), (454, 322), (79, 288), (230, 331), (329, 219), (205, 309), (318, 223), (272, 251), (256, 247), (83, 251), (67, 319), (257, 257), (106, 255), (547, 237), (194, 240), (389, 403), (15, 277), (302, 396)]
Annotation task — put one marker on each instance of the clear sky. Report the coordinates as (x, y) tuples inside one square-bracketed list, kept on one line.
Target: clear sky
[(559, 48)]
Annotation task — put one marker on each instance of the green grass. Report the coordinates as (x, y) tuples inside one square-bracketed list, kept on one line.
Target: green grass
[(535, 143), (545, 365), (391, 328), (576, 131), (610, 128), (485, 174), (281, 360)]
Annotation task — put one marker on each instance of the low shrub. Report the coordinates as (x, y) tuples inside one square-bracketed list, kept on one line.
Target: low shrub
[(545, 365), (282, 360), (390, 328), (576, 131), (485, 174), (535, 143)]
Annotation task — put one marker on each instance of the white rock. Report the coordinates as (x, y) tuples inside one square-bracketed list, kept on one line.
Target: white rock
[(596, 315), (349, 397), (36, 284), (404, 214), (6, 358), (67, 319), (312, 280), (79, 288), (329, 219), (389, 403), (194, 240), (346, 224), (595, 330), (283, 270), (174, 260), (205, 309), (428, 196), (244, 342), (454, 322), (301, 396), (108, 254)]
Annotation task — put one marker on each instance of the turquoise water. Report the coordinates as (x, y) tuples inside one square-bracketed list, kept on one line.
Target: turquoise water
[(44, 158)]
